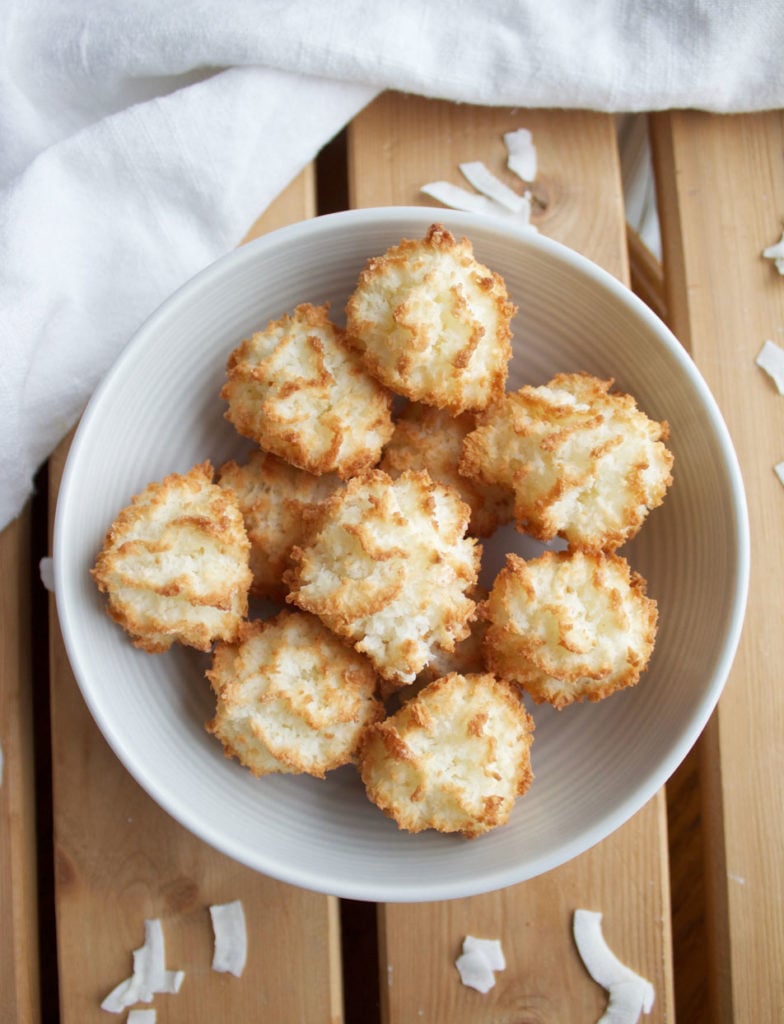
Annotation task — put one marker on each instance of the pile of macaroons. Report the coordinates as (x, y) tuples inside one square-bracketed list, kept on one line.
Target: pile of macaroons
[(383, 450)]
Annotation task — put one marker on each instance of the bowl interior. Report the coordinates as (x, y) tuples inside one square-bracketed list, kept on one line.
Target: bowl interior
[(159, 411)]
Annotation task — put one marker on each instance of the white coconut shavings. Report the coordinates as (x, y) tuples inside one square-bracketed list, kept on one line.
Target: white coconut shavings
[(460, 199), (771, 360), (629, 994), (46, 572), (484, 181), (478, 962), (231, 937), (776, 253), (150, 975), (522, 154), (492, 196), (778, 469), (142, 1017)]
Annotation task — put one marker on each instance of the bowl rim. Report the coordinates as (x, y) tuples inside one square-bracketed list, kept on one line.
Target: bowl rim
[(310, 229)]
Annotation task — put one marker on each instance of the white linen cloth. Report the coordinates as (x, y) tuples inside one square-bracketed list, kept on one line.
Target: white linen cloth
[(139, 140)]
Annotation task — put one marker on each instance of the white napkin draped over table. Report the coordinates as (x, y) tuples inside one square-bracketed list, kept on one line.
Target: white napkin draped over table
[(139, 141)]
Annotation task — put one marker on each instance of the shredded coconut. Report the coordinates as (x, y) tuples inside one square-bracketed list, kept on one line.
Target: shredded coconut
[(46, 571), (478, 962), (149, 973), (459, 198), (231, 937), (522, 154), (771, 360), (776, 253), (484, 181), (778, 469), (629, 994), (142, 1017), (492, 196)]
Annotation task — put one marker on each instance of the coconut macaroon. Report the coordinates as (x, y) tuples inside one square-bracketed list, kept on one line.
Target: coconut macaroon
[(174, 564), (584, 462), (454, 758), (467, 658), (569, 626), (300, 392), (432, 439), (274, 497), (291, 697), (432, 323), (387, 565)]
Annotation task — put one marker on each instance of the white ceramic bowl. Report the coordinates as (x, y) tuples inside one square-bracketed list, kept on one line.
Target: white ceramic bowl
[(159, 411)]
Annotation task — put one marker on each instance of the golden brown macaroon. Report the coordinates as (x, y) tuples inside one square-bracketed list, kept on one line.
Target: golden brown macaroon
[(274, 497), (432, 323), (584, 462), (300, 392), (454, 758), (432, 439), (174, 564), (387, 565), (291, 697), (467, 658), (569, 626)]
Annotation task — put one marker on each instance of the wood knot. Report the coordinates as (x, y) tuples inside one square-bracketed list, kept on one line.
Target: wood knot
[(65, 870), (180, 894)]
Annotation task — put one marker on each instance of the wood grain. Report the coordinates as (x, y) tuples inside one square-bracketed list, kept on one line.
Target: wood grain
[(395, 146), (721, 197), (121, 859), (19, 968)]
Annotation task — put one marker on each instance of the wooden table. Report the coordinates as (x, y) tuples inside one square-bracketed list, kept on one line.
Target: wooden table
[(691, 889)]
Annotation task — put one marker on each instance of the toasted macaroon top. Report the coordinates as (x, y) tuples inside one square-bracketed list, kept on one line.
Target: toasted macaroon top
[(584, 462), (432, 323), (387, 565), (569, 625), (432, 439), (274, 497), (174, 563), (291, 696), (300, 392), (454, 758)]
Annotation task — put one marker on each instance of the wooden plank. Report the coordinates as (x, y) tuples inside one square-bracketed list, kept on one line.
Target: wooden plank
[(721, 198), (121, 859), (19, 970), (395, 146)]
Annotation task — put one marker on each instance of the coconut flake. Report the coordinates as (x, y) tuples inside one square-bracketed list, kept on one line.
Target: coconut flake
[(484, 181), (46, 572), (776, 253), (149, 961), (771, 360), (490, 949), (492, 196), (479, 959), (122, 996), (231, 937), (778, 469), (629, 993), (459, 198), (149, 973), (521, 154), (142, 1017)]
